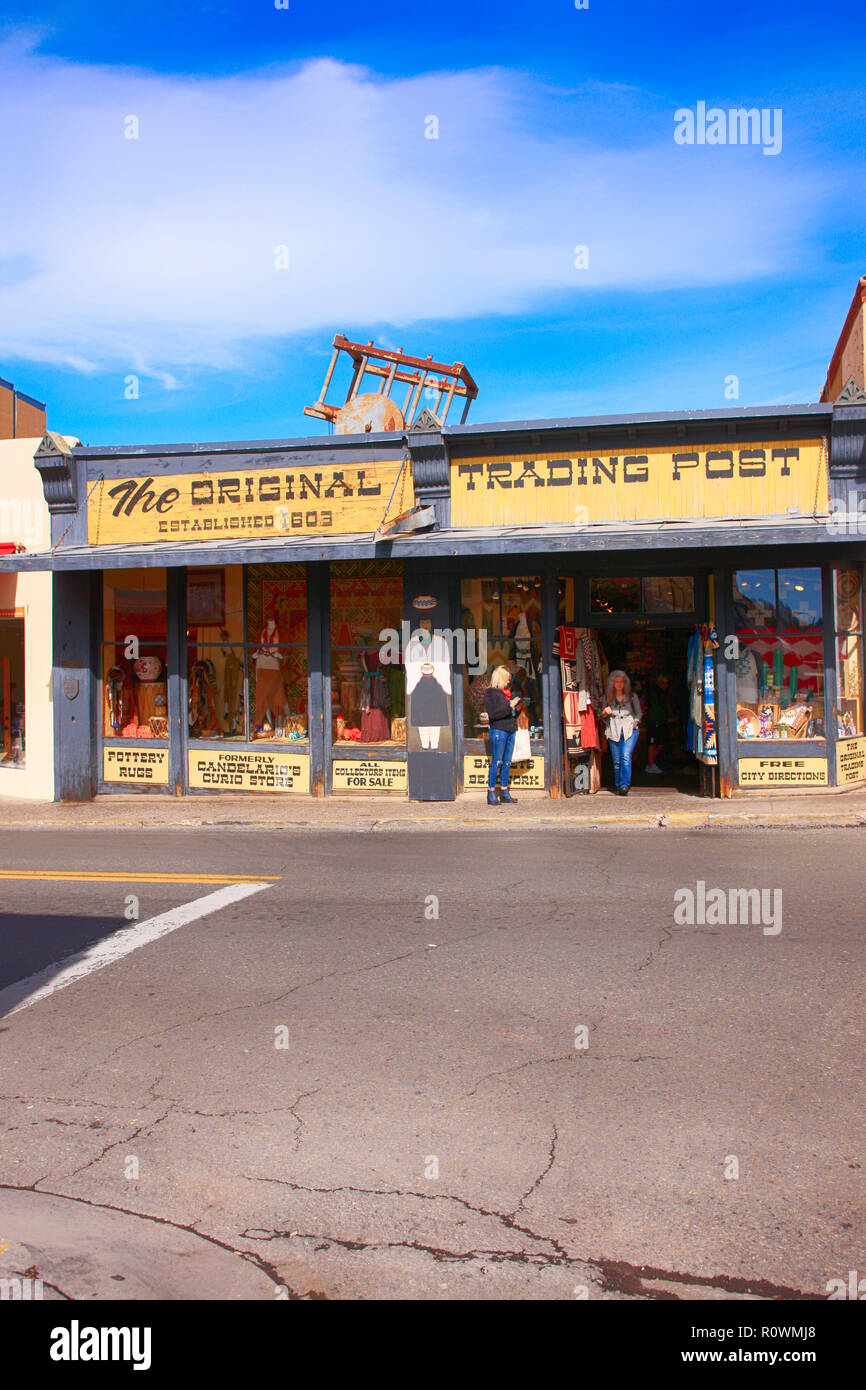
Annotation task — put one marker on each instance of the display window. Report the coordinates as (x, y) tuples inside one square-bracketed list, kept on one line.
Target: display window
[(655, 593), (134, 625), (368, 695), (276, 653), (668, 593), (848, 599), (614, 596), (215, 666), (12, 693), (778, 619), (502, 621)]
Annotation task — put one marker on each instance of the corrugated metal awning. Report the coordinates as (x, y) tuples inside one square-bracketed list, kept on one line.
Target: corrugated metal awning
[(497, 540)]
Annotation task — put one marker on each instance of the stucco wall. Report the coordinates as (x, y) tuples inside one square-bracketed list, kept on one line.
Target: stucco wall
[(24, 519)]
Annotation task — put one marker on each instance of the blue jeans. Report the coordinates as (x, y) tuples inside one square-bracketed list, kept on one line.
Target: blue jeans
[(621, 752), (501, 749)]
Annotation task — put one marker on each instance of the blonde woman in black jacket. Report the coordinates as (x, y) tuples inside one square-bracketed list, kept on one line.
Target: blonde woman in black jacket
[(502, 709)]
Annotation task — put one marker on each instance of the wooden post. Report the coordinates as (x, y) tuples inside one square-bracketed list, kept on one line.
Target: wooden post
[(831, 693), (178, 721), (319, 675), (550, 683), (76, 608), (726, 680)]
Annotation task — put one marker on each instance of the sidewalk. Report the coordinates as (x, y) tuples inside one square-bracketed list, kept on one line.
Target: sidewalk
[(67, 1248), (646, 807)]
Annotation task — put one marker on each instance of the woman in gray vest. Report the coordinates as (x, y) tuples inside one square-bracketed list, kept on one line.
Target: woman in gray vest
[(622, 714)]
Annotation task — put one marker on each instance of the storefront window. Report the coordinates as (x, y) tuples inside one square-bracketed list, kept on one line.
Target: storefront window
[(799, 600), (668, 593), (654, 593), (502, 621), (848, 593), (134, 688), (780, 659), (614, 596), (368, 696), (12, 722), (276, 652), (216, 707)]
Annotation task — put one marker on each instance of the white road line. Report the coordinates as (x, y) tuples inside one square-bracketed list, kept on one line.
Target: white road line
[(23, 993)]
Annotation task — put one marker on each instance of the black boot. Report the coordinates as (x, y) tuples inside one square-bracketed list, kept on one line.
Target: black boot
[(505, 795), (492, 799)]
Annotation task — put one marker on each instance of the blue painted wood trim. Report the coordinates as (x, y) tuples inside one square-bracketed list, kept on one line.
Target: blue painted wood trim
[(455, 609), (783, 748), (75, 612), (550, 682), (326, 677), (318, 639), (351, 752), (726, 680), (830, 689), (178, 723)]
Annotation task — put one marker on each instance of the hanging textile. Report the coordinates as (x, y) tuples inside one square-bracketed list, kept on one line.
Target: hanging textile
[(710, 643), (565, 643), (702, 739), (695, 678), (590, 732), (581, 664)]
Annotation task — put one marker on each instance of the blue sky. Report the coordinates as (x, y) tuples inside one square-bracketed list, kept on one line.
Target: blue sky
[(305, 128)]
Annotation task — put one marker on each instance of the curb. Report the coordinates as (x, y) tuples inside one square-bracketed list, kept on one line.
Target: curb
[(83, 1251), (658, 820)]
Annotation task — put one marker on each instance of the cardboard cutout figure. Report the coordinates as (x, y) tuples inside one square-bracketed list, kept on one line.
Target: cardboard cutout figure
[(428, 684)]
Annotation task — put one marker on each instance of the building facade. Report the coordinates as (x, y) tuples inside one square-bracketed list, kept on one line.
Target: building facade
[(21, 417), (26, 632), (240, 617)]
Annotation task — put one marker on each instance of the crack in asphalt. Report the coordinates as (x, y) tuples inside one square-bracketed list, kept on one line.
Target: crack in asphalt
[(616, 1276), (580, 1057), (33, 1273), (520, 1066), (506, 1218), (619, 1276), (148, 1125), (304, 984), (551, 1159), (257, 1003), (143, 1128), (668, 936), (443, 1256), (301, 1123)]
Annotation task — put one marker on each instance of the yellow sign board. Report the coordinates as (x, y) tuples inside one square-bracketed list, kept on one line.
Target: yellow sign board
[(286, 501), (783, 772), (248, 770), (369, 775), (721, 480), (850, 761), (528, 775), (141, 767)]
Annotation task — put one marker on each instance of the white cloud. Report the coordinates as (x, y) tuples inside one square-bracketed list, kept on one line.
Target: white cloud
[(158, 253)]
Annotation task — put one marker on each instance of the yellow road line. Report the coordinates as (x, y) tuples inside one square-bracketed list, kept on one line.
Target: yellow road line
[(133, 876)]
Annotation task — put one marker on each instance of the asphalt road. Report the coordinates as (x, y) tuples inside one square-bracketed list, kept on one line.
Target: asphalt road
[(435, 1126)]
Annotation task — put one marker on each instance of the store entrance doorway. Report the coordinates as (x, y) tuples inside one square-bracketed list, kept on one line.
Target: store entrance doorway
[(656, 660)]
